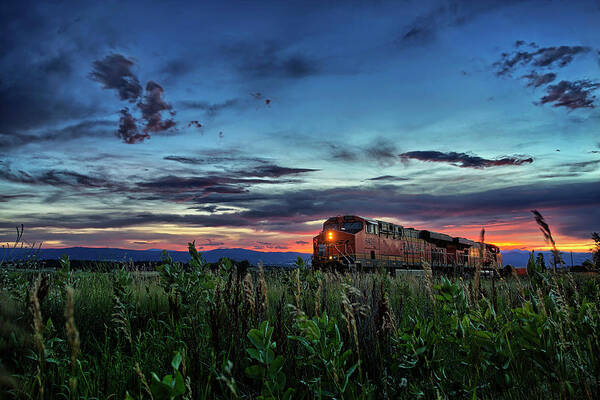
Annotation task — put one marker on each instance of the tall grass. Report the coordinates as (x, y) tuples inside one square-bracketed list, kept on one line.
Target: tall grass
[(199, 333)]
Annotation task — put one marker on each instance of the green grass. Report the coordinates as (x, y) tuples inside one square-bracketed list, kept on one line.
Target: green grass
[(296, 334)]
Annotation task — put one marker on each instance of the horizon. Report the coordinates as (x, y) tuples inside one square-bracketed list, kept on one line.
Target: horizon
[(240, 125), (546, 249)]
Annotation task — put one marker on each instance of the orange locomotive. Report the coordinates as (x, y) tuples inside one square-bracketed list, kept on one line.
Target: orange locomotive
[(357, 242)]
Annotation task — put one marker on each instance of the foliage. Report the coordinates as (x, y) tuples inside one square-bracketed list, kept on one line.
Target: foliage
[(268, 367), (201, 332)]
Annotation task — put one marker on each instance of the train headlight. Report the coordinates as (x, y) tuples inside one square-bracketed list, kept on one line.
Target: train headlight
[(330, 235)]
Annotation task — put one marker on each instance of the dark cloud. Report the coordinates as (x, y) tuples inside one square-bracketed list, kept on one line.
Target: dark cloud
[(58, 178), (344, 153), (187, 160), (572, 95), (114, 72), (176, 68), (211, 109), (302, 242), (128, 130), (270, 60), (390, 178), (426, 27), (544, 57), (582, 166), (208, 243), (464, 160), (9, 197), (537, 80), (84, 129), (215, 156), (558, 175), (177, 188), (212, 208), (268, 245), (383, 151), (152, 107), (569, 94), (276, 171), (194, 123)]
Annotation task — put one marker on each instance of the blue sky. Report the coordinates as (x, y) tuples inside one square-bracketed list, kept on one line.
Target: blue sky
[(417, 112)]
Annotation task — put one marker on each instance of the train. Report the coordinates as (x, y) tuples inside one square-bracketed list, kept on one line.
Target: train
[(354, 242)]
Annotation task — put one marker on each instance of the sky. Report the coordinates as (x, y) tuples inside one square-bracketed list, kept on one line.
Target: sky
[(247, 124)]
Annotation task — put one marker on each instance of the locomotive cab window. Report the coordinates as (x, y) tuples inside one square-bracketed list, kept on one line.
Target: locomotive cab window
[(352, 227)]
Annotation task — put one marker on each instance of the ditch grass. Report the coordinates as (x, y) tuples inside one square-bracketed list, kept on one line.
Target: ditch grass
[(202, 334)]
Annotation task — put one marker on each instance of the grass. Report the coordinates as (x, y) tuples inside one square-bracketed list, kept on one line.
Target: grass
[(197, 333)]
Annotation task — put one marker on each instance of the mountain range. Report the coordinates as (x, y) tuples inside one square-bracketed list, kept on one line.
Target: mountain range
[(516, 258), (113, 254)]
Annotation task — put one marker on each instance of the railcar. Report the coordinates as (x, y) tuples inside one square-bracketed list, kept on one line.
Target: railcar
[(351, 241)]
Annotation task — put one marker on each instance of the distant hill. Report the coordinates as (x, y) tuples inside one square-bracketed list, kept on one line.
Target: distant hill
[(519, 258), (516, 258), (113, 254)]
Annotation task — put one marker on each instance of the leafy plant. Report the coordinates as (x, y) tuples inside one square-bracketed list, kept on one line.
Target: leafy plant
[(268, 367), (325, 356), (170, 387)]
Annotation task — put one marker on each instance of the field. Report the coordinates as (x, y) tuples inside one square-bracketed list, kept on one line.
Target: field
[(226, 333)]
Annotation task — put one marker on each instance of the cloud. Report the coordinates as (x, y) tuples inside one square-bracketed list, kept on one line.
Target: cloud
[(343, 153), (268, 245), (178, 188), (176, 68), (128, 130), (301, 242), (58, 178), (390, 178), (536, 80), (211, 109), (114, 72), (583, 166), (215, 156), (276, 171), (381, 150), (270, 59), (560, 56), (572, 95), (573, 205), (426, 27), (194, 123), (208, 243), (152, 107), (9, 197), (186, 160), (84, 129), (464, 160), (568, 94)]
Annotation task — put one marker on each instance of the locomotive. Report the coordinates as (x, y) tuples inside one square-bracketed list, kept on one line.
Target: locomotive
[(349, 241)]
